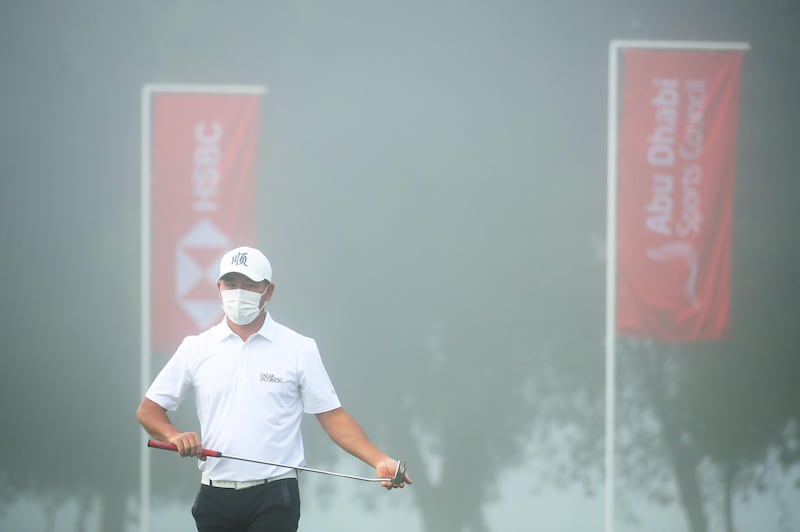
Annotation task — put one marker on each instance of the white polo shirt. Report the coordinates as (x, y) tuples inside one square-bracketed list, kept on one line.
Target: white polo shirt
[(250, 396)]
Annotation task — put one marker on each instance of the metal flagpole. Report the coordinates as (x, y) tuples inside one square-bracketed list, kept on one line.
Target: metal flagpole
[(144, 456), (611, 282)]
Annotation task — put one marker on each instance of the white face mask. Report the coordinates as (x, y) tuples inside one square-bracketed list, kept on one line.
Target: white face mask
[(241, 306)]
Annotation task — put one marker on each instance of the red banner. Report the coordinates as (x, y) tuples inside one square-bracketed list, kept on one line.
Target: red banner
[(676, 160), (202, 193)]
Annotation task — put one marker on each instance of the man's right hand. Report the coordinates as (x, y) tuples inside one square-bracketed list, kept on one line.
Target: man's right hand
[(155, 421), (188, 444)]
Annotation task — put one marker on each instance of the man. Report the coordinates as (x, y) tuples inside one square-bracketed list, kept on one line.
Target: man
[(253, 379)]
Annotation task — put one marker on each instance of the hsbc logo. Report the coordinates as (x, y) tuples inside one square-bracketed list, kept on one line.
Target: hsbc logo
[(197, 258)]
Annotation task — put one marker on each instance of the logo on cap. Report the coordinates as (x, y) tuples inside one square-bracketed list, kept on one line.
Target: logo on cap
[(240, 259)]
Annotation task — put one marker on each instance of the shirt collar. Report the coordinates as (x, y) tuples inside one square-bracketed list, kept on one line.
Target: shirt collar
[(267, 329)]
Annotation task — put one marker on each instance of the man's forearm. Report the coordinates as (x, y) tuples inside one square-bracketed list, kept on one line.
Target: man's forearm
[(155, 421), (345, 431)]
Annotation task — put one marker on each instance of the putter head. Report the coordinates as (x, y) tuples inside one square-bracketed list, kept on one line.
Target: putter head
[(400, 473)]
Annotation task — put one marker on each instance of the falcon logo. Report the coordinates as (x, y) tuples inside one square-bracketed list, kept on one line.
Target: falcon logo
[(684, 252)]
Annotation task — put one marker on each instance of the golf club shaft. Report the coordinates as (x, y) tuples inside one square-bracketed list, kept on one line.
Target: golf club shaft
[(217, 454)]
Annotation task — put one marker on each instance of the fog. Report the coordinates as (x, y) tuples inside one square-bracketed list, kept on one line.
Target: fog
[(432, 195)]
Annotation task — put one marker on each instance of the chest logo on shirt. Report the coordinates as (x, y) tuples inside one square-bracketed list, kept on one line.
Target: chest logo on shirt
[(269, 377)]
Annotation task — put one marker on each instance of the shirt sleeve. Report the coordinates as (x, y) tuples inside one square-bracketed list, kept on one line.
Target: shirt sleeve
[(316, 389), (172, 382)]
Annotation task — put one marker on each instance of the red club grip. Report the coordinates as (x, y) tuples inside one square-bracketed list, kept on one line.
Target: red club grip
[(172, 447)]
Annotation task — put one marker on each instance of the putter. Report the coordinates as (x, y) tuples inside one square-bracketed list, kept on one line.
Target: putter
[(399, 474)]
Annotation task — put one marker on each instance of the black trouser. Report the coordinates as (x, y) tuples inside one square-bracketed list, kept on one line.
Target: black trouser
[(270, 507)]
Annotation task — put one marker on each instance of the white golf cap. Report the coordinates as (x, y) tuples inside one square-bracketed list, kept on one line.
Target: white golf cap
[(250, 262)]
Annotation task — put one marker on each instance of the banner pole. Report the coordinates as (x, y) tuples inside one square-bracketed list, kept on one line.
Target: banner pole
[(611, 284), (145, 370), (150, 181), (615, 48), (713, 46)]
